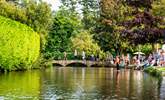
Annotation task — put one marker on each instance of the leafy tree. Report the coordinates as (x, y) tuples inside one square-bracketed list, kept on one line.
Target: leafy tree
[(65, 25), (158, 8), (108, 28), (90, 12), (144, 27), (127, 23), (70, 5), (84, 42), (39, 18), (10, 10)]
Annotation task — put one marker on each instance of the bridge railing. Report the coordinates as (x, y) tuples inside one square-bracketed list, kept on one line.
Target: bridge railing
[(86, 62), (69, 56)]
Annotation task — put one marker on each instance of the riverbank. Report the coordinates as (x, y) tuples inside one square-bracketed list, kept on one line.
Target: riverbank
[(155, 71)]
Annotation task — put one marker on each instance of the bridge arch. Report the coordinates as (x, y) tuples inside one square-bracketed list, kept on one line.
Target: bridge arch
[(77, 64)]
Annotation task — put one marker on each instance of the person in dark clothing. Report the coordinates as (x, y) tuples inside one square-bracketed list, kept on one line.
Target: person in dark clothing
[(117, 62)]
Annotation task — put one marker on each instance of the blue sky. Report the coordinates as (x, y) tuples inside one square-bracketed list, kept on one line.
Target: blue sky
[(55, 4)]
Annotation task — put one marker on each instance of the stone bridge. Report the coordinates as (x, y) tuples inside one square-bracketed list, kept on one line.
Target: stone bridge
[(86, 63)]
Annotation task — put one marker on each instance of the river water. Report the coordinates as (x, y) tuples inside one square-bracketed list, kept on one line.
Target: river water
[(71, 83)]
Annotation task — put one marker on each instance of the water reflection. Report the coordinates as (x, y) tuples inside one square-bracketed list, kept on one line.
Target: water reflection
[(20, 85), (81, 84), (99, 83)]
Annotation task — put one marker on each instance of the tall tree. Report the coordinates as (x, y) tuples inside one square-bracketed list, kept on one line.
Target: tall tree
[(143, 27), (65, 25), (39, 18), (90, 12), (70, 4), (108, 29)]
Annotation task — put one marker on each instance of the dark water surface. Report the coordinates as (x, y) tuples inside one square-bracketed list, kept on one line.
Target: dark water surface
[(80, 84)]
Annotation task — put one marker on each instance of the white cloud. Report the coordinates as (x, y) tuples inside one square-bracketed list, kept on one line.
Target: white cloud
[(54, 4)]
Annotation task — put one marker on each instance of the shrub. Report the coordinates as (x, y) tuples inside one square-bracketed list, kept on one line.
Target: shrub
[(19, 45)]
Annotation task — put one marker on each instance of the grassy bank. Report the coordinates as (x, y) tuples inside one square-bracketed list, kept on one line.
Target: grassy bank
[(157, 72)]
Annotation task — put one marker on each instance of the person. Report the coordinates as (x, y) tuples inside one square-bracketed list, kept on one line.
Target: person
[(75, 54), (150, 58), (83, 55), (146, 64), (65, 58), (117, 62), (137, 63), (153, 62), (127, 61), (92, 58), (161, 59)]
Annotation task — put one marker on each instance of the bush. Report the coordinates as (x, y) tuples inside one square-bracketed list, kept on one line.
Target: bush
[(19, 45)]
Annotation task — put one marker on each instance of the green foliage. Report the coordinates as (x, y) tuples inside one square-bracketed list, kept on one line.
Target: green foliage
[(107, 32), (65, 25), (159, 8), (84, 42), (90, 12), (20, 45), (154, 72), (146, 48), (12, 11), (35, 14), (39, 17)]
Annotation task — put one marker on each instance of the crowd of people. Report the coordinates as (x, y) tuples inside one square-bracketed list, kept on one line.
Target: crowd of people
[(142, 61), (155, 59)]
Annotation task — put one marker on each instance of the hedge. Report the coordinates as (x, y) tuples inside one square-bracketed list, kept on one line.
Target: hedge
[(19, 45)]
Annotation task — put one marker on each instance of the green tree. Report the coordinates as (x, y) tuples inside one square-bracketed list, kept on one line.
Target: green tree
[(144, 27), (70, 5), (107, 32), (84, 42), (158, 8), (39, 18), (65, 25), (90, 13)]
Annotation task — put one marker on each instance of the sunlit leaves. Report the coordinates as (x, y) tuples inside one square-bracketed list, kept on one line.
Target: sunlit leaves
[(84, 42), (20, 45)]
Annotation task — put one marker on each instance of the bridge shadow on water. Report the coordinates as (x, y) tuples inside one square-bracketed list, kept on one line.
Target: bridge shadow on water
[(81, 65), (96, 65), (57, 65), (76, 65), (70, 65)]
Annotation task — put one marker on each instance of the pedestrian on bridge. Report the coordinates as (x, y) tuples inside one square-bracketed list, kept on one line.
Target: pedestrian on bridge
[(83, 55), (75, 54), (65, 56)]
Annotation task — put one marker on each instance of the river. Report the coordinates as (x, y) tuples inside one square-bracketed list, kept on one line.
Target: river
[(72, 83)]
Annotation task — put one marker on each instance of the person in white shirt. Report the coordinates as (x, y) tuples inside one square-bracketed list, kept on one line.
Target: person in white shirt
[(83, 55)]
